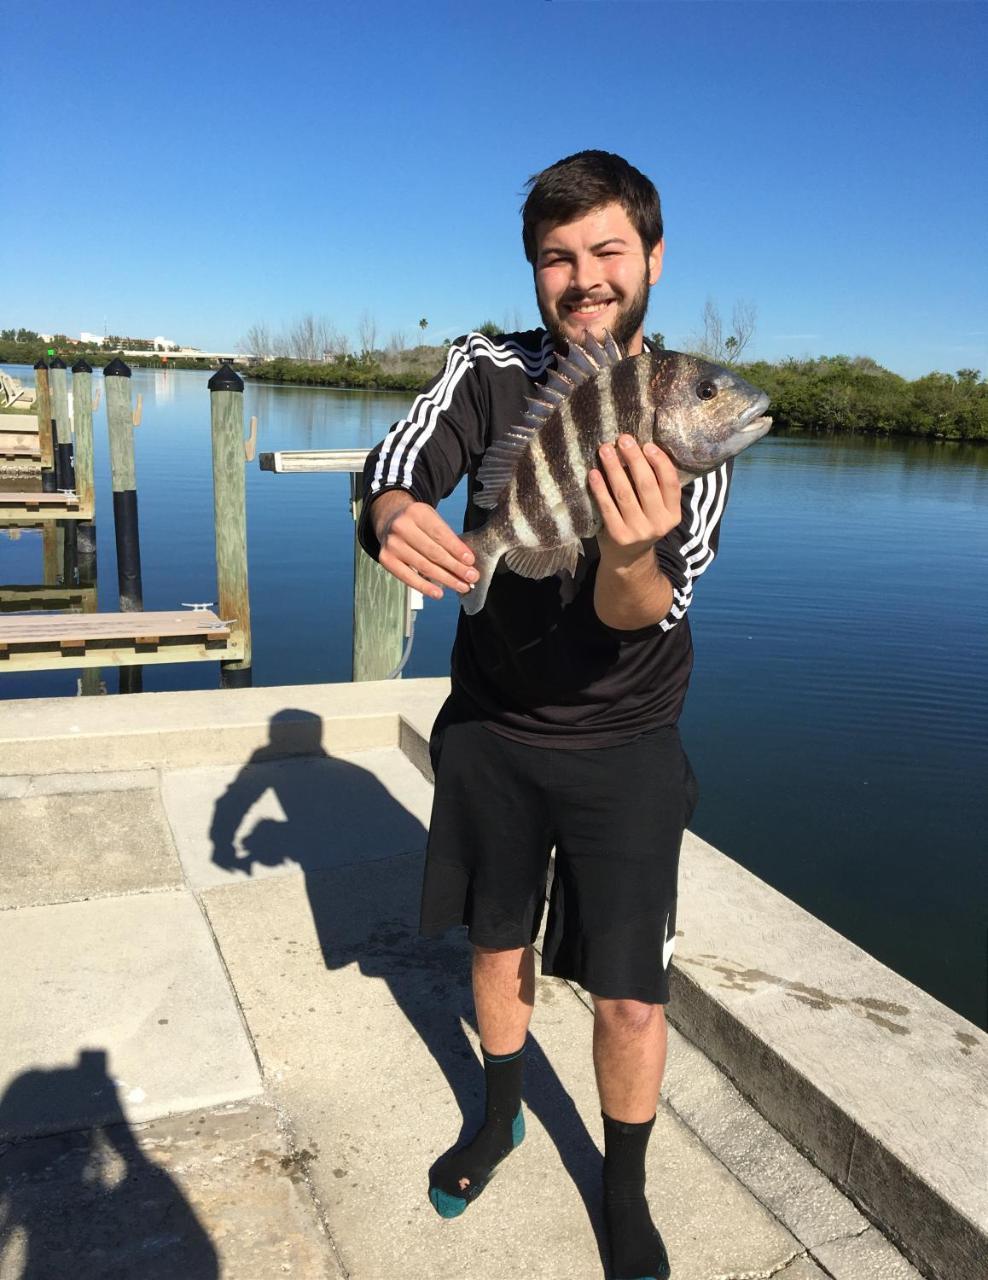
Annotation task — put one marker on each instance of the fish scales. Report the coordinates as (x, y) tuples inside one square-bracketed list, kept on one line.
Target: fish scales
[(535, 478), (530, 499)]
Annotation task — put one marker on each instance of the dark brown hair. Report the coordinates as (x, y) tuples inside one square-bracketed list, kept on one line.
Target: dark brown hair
[(573, 187)]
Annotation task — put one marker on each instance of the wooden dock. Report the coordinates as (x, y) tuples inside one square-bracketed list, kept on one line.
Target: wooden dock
[(38, 642), (32, 507)]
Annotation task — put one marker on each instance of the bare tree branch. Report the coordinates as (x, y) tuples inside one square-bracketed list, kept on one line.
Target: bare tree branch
[(257, 341), (711, 342), (367, 333)]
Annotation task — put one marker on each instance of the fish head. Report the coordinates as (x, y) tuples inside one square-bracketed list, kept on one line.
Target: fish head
[(703, 413)]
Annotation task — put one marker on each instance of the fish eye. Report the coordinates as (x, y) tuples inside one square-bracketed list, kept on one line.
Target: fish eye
[(706, 390)]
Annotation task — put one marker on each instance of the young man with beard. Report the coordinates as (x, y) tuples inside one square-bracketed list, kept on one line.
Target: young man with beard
[(561, 726)]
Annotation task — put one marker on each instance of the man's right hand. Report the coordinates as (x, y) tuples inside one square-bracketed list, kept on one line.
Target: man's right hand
[(419, 547)]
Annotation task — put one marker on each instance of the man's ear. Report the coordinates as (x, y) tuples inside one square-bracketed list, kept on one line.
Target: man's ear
[(655, 262)]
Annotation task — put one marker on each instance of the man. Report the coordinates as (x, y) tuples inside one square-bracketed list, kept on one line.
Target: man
[(561, 726)]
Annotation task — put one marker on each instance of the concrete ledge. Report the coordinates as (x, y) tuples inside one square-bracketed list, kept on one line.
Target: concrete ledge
[(221, 726), (881, 1085)]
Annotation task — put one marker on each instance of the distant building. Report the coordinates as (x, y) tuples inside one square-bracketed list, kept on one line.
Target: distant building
[(164, 344), (91, 339)]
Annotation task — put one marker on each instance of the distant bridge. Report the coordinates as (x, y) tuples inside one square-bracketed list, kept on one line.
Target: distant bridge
[(183, 353)]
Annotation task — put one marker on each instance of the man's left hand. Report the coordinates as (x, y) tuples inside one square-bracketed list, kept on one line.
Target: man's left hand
[(639, 496)]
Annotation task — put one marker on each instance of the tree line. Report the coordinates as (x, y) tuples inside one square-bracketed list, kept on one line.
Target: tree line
[(825, 394)]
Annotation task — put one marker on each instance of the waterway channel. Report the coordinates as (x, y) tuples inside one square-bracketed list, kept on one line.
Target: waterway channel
[(838, 716)]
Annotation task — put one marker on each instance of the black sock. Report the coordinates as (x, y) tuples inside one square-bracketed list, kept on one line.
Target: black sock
[(460, 1175), (637, 1251)]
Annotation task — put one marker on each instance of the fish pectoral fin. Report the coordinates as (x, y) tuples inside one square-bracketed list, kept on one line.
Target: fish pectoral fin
[(543, 562)]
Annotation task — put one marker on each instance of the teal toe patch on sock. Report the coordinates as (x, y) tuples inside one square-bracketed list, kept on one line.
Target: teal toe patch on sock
[(451, 1206), (445, 1205)]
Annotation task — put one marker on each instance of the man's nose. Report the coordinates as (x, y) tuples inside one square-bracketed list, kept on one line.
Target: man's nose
[(586, 273)]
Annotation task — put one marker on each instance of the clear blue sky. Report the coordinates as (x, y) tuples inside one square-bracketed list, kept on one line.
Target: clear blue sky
[(192, 169)]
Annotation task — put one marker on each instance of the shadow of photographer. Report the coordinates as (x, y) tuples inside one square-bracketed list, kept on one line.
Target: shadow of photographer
[(116, 1214)]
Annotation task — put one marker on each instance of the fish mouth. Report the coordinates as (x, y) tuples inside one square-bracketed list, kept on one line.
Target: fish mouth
[(752, 419)]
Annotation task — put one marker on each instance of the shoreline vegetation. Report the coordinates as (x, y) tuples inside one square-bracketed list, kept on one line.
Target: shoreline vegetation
[(825, 395)]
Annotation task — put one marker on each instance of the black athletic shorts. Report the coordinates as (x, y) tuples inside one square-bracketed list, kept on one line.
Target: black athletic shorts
[(615, 816)]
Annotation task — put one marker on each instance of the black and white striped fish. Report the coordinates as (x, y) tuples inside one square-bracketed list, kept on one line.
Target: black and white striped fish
[(535, 479)]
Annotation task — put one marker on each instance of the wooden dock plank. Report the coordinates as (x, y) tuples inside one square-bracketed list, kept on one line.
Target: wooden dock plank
[(141, 628), (19, 440), (113, 656), (40, 642), (20, 422), (295, 461), (42, 506)]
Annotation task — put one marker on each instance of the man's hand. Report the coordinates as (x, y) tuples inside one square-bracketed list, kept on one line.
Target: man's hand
[(419, 547), (639, 496)]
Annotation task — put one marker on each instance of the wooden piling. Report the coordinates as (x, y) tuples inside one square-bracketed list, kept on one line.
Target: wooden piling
[(379, 608), (82, 403), (42, 404), (51, 553), (119, 419), (230, 513), (380, 601), (58, 388)]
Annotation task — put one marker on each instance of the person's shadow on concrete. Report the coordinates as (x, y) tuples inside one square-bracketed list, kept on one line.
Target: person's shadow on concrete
[(86, 1204), (339, 815)]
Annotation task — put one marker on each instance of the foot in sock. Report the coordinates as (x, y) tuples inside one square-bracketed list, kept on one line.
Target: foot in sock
[(636, 1248), (460, 1175)]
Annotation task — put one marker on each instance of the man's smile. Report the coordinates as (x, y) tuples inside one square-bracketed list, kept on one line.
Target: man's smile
[(588, 308)]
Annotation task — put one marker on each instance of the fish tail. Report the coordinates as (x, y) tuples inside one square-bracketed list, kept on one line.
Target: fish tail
[(486, 556)]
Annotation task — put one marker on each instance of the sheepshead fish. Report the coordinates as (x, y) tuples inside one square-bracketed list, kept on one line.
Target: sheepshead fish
[(535, 479)]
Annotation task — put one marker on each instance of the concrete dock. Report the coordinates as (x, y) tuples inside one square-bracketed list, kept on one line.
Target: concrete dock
[(226, 1052)]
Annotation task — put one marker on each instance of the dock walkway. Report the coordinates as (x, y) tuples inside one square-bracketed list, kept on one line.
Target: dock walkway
[(227, 1053)]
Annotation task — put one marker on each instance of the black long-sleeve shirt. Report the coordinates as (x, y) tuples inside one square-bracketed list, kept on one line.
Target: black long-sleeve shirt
[(534, 664)]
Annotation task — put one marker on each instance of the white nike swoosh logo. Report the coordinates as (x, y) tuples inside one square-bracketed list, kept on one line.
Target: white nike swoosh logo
[(668, 948)]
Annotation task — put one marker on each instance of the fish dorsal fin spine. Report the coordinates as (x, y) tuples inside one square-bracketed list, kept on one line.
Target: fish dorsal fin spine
[(573, 369)]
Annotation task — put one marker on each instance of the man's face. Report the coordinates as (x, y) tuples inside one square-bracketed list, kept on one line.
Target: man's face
[(594, 274)]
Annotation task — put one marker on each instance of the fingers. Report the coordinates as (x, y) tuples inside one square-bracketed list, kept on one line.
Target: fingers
[(637, 490), (667, 476), (421, 550)]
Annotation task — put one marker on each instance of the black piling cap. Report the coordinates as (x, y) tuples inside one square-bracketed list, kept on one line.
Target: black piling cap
[(224, 379), (41, 364), (81, 366), (57, 363), (116, 369)]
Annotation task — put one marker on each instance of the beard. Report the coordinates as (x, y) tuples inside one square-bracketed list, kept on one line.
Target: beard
[(630, 318)]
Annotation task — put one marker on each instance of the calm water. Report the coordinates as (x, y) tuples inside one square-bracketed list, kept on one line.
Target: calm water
[(838, 717)]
